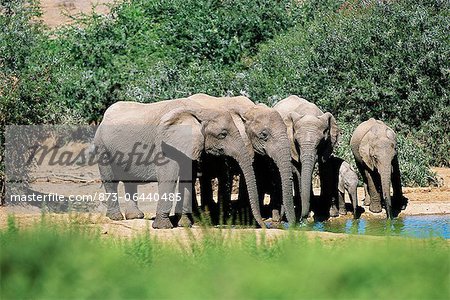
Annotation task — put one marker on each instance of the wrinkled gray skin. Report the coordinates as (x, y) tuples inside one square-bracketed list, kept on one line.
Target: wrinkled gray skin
[(374, 147), (265, 136), (204, 131), (312, 134), (341, 178)]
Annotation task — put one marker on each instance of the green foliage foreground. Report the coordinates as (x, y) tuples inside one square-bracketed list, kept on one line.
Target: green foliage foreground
[(71, 262)]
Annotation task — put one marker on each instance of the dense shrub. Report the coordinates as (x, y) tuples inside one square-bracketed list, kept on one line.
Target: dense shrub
[(383, 60), (147, 50), (26, 78)]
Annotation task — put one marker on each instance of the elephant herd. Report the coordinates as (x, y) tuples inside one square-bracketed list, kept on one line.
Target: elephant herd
[(273, 150)]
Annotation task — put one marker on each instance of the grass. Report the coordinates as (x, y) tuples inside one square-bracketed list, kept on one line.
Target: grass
[(49, 261)]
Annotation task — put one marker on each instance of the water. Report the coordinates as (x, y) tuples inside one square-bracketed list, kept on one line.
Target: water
[(422, 226)]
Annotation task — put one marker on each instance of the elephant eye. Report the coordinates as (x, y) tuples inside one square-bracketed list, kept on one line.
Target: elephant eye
[(222, 135), (263, 135)]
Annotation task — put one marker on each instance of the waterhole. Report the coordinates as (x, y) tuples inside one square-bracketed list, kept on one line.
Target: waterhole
[(421, 226)]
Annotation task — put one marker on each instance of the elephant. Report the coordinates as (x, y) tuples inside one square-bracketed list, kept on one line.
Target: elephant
[(341, 178), (374, 146), (180, 131), (312, 135), (265, 136)]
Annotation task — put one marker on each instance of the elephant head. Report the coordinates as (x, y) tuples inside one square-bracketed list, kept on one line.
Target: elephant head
[(268, 135), (213, 132), (378, 149), (312, 138)]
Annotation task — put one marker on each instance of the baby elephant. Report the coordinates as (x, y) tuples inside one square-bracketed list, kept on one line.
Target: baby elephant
[(374, 146), (341, 177)]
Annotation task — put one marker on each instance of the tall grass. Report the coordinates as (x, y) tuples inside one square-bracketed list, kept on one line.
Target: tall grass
[(50, 262)]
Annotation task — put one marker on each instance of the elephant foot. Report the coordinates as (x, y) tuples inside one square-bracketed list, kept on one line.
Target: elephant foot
[(276, 225), (342, 211), (333, 211), (273, 224), (162, 221), (375, 207), (114, 215), (276, 217), (133, 213), (186, 220), (402, 202), (366, 201)]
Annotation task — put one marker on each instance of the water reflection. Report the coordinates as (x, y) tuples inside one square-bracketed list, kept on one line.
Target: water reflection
[(412, 226)]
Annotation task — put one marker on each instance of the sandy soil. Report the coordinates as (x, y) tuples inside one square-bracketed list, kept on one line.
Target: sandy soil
[(57, 12)]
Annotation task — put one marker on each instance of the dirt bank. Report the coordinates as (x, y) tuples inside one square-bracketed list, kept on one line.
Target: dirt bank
[(56, 12)]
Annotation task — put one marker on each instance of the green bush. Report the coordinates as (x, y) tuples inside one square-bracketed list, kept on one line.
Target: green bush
[(145, 50), (50, 262), (387, 60)]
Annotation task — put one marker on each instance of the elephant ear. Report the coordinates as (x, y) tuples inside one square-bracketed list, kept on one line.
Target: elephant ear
[(290, 121), (390, 134), (333, 134), (182, 129), (332, 126), (364, 150), (239, 119)]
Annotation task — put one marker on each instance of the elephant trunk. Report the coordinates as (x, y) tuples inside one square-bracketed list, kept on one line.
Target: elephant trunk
[(282, 159), (246, 165), (308, 162), (385, 175)]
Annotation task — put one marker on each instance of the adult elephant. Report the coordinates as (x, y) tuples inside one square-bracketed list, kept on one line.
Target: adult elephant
[(265, 135), (374, 146), (179, 132), (312, 134)]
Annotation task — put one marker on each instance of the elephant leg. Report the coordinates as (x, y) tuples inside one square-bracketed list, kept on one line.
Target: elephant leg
[(206, 193), (167, 181), (328, 190), (362, 171), (354, 199), (399, 202), (341, 199), (185, 198), (243, 203), (224, 196), (367, 195), (334, 212), (112, 202), (184, 204), (375, 197), (296, 185), (111, 197), (276, 202), (131, 195)]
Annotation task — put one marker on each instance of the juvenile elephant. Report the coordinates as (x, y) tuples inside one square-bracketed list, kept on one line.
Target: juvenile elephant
[(374, 146), (265, 136), (341, 178), (312, 134), (179, 130)]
